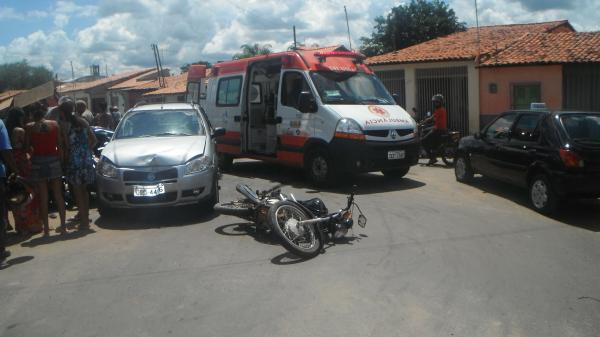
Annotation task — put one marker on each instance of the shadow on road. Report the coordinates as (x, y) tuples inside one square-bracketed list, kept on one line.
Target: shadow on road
[(155, 218), (238, 229), (286, 259), (579, 213), (15, 261), (45, 240), (368, 183)]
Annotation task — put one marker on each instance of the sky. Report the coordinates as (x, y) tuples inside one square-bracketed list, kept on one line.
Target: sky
[(117, 34)]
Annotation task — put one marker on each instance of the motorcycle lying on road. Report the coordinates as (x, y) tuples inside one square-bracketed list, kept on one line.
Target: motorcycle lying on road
[(302, 225), (448, 144)]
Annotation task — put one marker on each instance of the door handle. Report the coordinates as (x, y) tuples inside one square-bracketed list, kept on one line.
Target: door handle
[(237, 118)]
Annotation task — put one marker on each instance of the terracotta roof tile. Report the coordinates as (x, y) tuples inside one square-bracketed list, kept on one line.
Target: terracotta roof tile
[(10, 93), (134, 81), (174, 85), (549, 48), (463, 45), (76, 86)]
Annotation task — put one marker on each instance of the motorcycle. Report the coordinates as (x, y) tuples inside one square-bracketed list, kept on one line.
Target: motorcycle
[(302, 225), (448, 144)]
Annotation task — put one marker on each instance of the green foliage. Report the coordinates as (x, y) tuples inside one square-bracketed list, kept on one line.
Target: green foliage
[(184, 68), (21, 75), (249, 50), (410, 24)]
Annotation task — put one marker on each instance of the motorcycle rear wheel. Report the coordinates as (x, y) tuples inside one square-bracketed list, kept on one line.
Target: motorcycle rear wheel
[(283, 217), (238, 208)]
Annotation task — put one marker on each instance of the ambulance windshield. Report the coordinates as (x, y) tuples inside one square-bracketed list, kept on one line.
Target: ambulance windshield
[(350, 88)]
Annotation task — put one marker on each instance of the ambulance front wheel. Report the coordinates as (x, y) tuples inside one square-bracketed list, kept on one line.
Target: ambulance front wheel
[(225, 161), (319, 167)]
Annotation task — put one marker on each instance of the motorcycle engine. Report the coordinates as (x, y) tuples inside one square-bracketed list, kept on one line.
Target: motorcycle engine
[(316, 206)]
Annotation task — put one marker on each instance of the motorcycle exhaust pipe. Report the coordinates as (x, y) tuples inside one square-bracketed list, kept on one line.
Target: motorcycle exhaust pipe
[(312, 221)]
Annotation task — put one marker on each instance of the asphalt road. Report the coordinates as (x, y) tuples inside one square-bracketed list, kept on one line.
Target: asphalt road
[(437, 258)]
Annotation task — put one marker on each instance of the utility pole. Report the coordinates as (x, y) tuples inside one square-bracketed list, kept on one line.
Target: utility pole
[(348, 26), (295, 43), (72, 74), (478, 39)]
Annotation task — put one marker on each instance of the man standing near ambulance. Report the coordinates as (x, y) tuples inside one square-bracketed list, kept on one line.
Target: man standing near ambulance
[(433, 140)]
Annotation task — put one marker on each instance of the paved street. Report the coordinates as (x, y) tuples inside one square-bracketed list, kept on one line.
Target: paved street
[(437, 258)]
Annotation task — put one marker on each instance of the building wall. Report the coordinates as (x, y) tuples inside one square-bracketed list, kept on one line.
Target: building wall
[(411, 86), (491, 104)]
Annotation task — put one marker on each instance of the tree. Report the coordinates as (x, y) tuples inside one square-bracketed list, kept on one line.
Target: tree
[(249, 50), (410, 24), (21, 75), (184, 68)]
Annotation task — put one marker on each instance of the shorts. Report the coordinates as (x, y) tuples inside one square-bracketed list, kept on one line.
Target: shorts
[(44, 168)]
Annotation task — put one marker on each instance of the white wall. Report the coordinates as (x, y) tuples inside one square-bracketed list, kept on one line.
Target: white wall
[(411, 87)]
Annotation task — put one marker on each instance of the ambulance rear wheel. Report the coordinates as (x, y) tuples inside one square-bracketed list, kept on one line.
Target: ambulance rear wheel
[(225, 161), (319, 167)]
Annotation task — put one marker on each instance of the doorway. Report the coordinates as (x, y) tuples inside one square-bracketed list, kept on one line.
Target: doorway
[(261, 126)]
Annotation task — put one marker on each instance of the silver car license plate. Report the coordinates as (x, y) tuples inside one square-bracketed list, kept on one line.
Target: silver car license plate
[(393, 155), (148, 190)]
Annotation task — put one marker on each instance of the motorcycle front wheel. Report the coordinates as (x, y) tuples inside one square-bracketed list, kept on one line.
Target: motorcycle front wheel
[(448, 154), (301, 240)]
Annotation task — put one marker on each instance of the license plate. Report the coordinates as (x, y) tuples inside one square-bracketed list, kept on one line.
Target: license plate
[(148, 191), (393, 155)]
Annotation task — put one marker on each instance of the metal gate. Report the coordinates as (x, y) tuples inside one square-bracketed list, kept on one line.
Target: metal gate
[(394, 82), (581, 87), (450, 82)]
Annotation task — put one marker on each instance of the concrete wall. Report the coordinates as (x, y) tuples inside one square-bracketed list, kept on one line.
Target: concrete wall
[(411, 88), (549, 77)]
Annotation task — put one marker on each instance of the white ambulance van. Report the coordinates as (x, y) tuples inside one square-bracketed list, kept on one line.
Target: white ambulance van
[(319, 109)]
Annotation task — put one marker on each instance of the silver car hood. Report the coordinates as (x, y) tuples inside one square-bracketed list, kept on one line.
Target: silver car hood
[(154, 151)]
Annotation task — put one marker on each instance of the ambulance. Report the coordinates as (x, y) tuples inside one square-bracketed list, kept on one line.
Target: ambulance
[(322, 110)]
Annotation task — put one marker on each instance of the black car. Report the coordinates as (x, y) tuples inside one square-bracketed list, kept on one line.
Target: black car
[(555, 155)]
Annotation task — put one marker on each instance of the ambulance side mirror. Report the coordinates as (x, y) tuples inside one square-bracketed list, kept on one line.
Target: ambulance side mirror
[(396, 98), (307, 102), (218, 132)]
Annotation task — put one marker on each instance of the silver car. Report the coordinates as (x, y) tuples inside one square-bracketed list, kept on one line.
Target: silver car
[(159, 155)]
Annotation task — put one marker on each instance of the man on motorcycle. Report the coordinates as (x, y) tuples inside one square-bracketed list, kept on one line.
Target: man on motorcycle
[(433, 140)]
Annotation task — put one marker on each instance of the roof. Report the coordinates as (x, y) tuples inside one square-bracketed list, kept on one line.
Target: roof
[(174, 85), (9, 94), (464, 46), (134, 81), (77, 86), (544, 48)]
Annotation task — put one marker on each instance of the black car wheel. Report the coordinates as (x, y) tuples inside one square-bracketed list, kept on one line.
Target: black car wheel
[(542, 196), (462, 169), (396, 173), (319, 168)]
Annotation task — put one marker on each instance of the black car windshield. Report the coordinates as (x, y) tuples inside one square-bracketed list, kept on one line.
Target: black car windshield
[(583, 128), (160, 123), (350, 88)]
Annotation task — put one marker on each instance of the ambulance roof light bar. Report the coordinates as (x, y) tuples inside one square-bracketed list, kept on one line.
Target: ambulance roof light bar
[(348, 54)]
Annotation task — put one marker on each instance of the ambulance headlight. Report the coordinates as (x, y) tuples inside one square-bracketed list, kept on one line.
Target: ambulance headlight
[(348, 125)]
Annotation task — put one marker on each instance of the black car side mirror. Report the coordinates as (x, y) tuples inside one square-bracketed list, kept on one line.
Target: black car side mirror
[(307, 102), (218, 132)]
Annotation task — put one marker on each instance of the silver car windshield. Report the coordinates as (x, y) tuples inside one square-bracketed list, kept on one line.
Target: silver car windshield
[(160, 123)]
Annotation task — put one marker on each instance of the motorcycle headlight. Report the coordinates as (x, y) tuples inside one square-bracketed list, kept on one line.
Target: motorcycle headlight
[(349, 128), (197, 165), (107, 169)]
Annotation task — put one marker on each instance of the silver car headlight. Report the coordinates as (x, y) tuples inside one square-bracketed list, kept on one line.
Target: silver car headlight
[(107, 169), (197, 165)]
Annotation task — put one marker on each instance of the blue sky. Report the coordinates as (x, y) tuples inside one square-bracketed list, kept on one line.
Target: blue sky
[(118, 33)]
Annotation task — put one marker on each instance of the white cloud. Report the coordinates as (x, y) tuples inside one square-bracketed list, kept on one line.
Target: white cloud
[(192, 30)]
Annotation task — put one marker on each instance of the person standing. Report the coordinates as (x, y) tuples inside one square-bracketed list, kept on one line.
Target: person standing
[(6, 159), (27, 220), (433, 140), (83, 112), (116, 115), (80, 165), (45, 138), (104, 119)]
